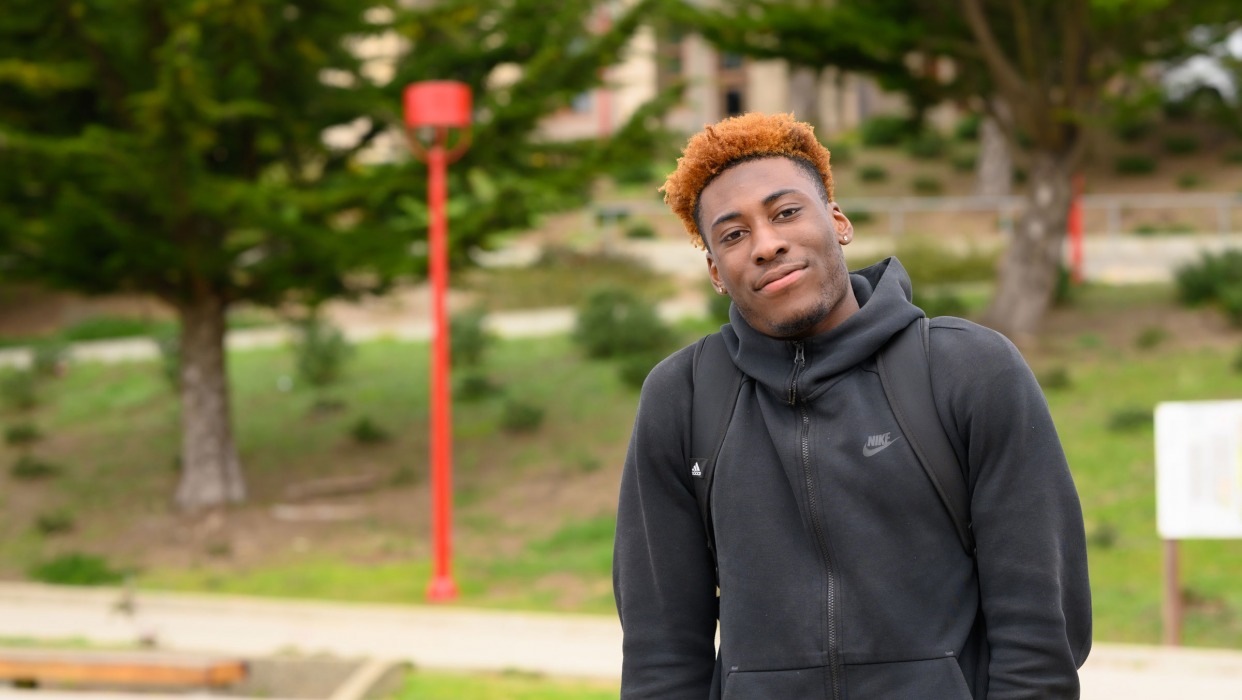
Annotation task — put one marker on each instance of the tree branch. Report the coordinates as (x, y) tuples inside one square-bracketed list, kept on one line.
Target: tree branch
[(1007, 77)]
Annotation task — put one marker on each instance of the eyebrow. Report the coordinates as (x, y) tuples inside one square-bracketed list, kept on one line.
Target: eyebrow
[(766, 201)]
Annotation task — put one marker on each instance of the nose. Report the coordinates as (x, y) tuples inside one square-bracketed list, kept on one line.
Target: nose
[(769, 243)]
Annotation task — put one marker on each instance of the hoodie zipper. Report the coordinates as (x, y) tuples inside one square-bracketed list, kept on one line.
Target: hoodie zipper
[(804, 437)]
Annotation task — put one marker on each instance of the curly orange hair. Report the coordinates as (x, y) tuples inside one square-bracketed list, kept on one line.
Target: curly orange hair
[(722, 145)]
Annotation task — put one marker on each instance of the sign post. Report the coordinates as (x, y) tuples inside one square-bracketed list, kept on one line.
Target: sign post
[(1198, 486), (432, 110)]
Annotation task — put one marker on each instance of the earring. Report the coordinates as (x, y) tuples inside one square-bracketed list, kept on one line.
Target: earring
[(720, 290)]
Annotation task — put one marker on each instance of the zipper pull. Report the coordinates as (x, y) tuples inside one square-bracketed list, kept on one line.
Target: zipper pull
[(799, 363)]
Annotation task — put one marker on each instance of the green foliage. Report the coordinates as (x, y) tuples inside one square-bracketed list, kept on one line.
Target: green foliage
[(860, 217), (1215, 278), (469, 338), (367, 432), (1055, 379), (1233, 156), (1151, 337), (842, 153), (48, 357), (634, 368), (930, 264), (21, 434), (31, 468), (925, 145), (18, 389), (967, 128), (321, 351), (1103, 536), (1134, 164), (640, 230), (112, 327), (517, 416), (56, 522), (1189, 181), (872, 173), (887, 130), (927, 185), (963, 162), (169, 346), (614, 322), (76, 569), (1130, 418), (941, 303), (1180, 144), (474, 385)]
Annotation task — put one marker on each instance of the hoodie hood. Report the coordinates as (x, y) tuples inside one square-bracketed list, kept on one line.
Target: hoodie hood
[(884, 297)]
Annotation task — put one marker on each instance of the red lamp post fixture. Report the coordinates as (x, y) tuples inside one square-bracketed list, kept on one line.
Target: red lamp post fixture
[(432, 110)]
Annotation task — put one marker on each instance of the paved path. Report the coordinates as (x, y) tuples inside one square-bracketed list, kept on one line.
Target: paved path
[(472, 640)]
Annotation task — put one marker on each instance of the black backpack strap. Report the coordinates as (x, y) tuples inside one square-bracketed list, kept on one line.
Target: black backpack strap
[(716, 384), (905, 371)]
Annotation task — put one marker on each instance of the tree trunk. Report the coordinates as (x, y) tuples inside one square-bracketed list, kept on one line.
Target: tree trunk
[(1028, 275), (210, 469), (995, 168)]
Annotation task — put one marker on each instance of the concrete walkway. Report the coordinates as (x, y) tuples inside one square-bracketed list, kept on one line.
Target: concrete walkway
[(464, 639)]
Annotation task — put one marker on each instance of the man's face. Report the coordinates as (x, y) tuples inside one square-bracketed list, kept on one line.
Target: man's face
[(775, 246)]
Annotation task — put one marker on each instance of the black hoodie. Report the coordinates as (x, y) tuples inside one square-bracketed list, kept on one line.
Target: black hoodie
[(840, 573)]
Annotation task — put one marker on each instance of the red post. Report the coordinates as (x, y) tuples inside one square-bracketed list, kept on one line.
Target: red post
[(1075, 229), (438, 106)]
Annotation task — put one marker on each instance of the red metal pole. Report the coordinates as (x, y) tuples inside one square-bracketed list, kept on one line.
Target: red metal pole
[(1075, 229), (442, 587)]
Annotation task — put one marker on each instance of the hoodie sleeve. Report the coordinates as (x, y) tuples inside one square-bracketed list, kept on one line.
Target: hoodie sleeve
[(1027, 520), (663, 576)]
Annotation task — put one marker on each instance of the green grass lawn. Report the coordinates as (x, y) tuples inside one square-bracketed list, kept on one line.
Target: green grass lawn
[(534, 511), (426, 685)]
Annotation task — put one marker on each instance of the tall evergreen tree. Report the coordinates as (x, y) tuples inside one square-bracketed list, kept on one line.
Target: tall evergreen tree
[(175, 148)]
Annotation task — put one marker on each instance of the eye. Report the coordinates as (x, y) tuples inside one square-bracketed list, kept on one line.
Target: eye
[(731, 235), (787, 212)]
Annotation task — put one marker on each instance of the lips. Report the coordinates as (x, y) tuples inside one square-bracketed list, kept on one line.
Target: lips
[(780, 277)]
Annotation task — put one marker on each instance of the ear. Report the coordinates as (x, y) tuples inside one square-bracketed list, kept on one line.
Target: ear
[(842, 225), (713, 272)]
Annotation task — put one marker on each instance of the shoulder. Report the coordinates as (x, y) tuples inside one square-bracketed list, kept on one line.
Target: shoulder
[(956, 342), (670, 384)]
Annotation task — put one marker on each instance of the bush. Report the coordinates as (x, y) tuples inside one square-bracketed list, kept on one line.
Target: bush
[(169, 345), (18, 389), (47, 358), (718, 307), (930, 264), (967, 128), (1206, 280), (926, 145), (633, 369), (942, 304), (1134, 164), (110, 327), (886, 130), (640, 230), (1054, 379), (963, 162), (1180, 144), (468, 337), (1131, 419), (367, 432), (54, 523), (927, 185), (521, 417), (22, 434), (872, 173), (321, 351), (1233, 156), (840, 153), (615, 322), (1151, 337), (1189, 181), (76, 569), (474, 386), (30, 468), (859, 217)]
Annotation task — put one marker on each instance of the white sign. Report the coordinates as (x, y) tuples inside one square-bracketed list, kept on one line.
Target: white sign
[(1199, 469)]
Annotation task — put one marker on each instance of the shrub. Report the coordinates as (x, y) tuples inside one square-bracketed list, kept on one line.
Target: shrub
[(1233, 156), (633, 369), (640, 230), (47, 358), (22, 434), (521, 417), (1134, 164), (30, 468), (474, 386), (169, 345), (927, 185), (1189, 181), (1180, 144), (1130, 419), (872, 173), (321, 351), (942, 304), (1237, 362), (615, 322), (1054, 379), (859, 217), (718, 307), (1151, 337), (963, 162), (18, 389), (886, 130), (841, 153), (54, 523), (967, 128), (468, 337), (76, 569), (367, 432), (109, 327), (1103, 536), (930, 264), (926, 145), (1204, 281)]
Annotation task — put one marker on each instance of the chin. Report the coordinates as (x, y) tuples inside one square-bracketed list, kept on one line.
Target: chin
[(798, 325)]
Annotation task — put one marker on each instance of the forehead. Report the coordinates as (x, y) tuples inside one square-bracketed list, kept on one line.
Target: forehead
[(751, 181)]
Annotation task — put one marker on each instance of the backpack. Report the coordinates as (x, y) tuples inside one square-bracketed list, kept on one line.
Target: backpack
[(904, 364)]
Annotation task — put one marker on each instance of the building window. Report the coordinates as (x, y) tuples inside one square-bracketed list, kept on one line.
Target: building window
[(734, 104)]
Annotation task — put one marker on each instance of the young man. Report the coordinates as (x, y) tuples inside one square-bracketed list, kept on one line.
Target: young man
[(837, 571)]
